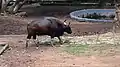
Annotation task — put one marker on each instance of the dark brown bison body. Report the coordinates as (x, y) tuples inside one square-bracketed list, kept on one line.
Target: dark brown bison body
[(48, 26)]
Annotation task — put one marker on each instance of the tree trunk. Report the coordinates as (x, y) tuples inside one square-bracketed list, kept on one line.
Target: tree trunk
[(0, 5), (15, 9), (117, 17), (4, 4), (18, 6), (11, 9)]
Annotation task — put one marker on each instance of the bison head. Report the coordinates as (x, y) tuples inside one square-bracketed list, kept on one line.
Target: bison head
[(67, 28)]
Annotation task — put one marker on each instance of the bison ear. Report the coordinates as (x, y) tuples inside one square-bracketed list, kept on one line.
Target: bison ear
[(69, 24)]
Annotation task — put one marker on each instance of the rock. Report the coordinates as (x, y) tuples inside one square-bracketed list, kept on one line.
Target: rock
[(22, 14), (5, 45)]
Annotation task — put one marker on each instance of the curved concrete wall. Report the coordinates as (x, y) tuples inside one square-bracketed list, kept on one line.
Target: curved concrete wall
[(78, 14)]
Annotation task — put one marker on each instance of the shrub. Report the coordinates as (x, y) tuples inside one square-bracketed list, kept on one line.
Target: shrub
[(97, 16)]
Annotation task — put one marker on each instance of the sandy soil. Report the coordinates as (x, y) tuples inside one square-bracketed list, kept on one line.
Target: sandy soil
[(46, 56)]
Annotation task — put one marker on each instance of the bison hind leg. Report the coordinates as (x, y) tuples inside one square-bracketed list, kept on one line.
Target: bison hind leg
[(27, 42), (28, 38)]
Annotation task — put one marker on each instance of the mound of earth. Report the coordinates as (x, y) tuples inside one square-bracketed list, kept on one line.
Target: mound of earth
[(90, 28), (12, 26), (17, 26)]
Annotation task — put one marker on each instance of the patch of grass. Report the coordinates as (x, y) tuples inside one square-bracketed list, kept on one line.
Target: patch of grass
[(102, 49), (76, 49)]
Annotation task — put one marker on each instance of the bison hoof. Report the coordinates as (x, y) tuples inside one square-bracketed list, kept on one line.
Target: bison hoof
[(37, 47), (61, 42), (38, 43)]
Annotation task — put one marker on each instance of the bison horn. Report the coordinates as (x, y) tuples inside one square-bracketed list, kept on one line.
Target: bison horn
[(65, 20), (65, 23)]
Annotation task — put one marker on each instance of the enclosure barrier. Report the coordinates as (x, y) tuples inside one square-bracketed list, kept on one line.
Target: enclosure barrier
[(79, 13)]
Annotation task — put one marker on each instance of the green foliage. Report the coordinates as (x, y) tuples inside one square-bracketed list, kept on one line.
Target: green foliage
[(98, 49), (112, 16), (98, 16)]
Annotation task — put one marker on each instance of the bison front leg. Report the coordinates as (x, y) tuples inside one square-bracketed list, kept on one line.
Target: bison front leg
[(28, 38), (60, 41), (35, 40), (36, 43)]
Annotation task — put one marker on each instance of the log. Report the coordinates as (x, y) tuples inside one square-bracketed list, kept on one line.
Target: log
[(4, 48)]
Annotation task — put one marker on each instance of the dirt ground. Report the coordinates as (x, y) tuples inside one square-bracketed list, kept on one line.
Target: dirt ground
[(46, 56), (13, 31)]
